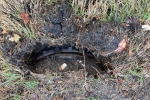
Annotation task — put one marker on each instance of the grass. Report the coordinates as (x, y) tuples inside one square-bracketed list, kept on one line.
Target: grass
[(15, 97), (112, 10), (104, 10), (11, 75), (11, 19), (14, 75), (50, 2), (31, 84), (136, 71), (11, 78)]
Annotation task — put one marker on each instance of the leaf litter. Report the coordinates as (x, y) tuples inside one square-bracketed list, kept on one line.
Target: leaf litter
[(25, 17)]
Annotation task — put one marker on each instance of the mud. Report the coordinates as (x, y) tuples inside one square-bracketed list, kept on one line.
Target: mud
[(61, 27), (52, 58), (56, 26)]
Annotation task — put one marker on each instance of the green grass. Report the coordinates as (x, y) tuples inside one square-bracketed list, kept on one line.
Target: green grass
[(14, 75), (15, 97), (31, 84), (135, 71), (11, 75), (11, 78)]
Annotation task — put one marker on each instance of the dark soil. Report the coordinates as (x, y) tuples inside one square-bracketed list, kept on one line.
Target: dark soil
[(45, 53)]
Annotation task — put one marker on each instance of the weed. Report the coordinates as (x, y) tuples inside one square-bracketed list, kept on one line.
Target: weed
[(31, 84), (136, 71), (15, 97), (11, 75)]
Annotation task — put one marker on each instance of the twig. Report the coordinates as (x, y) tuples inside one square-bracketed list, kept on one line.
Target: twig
[(84, 68), (110, 53)]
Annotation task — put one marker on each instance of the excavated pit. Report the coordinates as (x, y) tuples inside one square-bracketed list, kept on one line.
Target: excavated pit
[(65, 58)]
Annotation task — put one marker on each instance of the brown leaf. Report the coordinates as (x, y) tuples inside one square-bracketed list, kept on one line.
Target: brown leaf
[(25, 17), (124, 24), (58, 98), (4, 32), (9, 53), (120, 81), (59, 82), (122, 45), (130, 53), (31, 22)]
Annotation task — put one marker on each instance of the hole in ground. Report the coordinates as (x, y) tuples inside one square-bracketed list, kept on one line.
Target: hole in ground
[(55, 59)]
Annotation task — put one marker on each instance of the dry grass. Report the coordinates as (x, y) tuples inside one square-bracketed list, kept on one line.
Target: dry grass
[(11, 19), (113, 10)]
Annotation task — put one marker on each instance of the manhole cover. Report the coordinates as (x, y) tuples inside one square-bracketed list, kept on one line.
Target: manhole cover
[(57, 59)]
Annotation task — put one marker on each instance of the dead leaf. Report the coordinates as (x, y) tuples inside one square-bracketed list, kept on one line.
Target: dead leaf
[(25, 17), (58, 98), (16, 37), (59, 82), (9, 53), (4, 32), (146, 27), (122, 45), (31, 22), (120, 81), (124, 24), (130, 53)]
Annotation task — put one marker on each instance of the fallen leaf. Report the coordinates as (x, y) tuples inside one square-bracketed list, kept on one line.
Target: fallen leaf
[(124, 24), (25, 17), (130, 53), (58, 98), (31, 22), (16, 37), (120, 81), (122, 46), (4, 32), (9, 53), (59, 82), (146, 27)]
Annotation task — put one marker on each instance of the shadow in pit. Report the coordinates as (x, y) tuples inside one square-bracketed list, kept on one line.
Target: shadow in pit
[(55, 59)]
